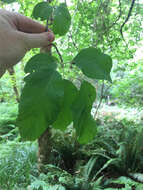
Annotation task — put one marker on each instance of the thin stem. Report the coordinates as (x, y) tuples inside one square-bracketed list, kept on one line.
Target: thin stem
[(119, 16), (126, 20), (59, 54), (101, 98), (73, 42)]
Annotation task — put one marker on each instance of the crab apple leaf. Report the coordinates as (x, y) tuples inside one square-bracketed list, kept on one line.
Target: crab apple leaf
[(94, 63), (88, 128), (81, 108), (9, 1), (41, 61), (62, 20), (65, 116), (33, 125), (42, 10), (40, 103)]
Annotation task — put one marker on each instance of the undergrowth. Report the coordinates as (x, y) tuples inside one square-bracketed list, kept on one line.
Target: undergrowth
[(17, 163), (113, 160), (8, 113)]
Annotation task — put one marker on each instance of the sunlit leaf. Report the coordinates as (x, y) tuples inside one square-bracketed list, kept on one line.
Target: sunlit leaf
[(40, 61), (42, 10), (62, 20), (94, 64)]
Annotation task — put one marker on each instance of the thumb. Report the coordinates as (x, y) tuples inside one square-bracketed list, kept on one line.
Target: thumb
[(35, 40)]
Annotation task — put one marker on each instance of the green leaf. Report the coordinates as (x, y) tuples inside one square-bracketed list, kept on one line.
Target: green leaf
[(39, 62), (88, 128), (83, 122), (89, 167), (32, 125), (94, 64), (65, 116), (42, 10), (40, 103), (9, 1), (62, 20)]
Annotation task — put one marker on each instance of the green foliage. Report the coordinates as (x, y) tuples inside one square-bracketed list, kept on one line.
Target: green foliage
[(65, 116), (54, 101), (130, 150), (94, 64), (62, 20), (60, 15), (127, 154), (46, 61), (117, 146), (8, 114), (128, 89), (89, 167), (45, 99), (42, 10), (116, 150), (9, 1), (17, 161), (82, 120), (129, 183), (43, 104), (39, 185), (89, 161)]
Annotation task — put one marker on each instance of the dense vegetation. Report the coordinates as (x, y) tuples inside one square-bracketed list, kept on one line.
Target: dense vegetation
[(77, 157)]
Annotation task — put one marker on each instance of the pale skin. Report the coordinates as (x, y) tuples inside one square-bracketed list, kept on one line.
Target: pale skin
[(19, 34)]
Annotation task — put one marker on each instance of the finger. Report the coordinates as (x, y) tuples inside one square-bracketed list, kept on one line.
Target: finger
[(23, 23), (36, 40)]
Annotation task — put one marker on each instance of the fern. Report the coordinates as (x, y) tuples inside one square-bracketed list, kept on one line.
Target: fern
[(39, 185), (17, 161), (130, 150), (137, 176), (8, 115), (129, 183)]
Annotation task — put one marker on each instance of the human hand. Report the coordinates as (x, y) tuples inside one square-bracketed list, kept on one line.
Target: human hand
[(19, 34)]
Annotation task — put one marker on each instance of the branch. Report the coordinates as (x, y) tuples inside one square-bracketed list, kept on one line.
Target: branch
[(73, 42), (13, 78), (47, 28), (126, 20), (120, 13), (60, 56)]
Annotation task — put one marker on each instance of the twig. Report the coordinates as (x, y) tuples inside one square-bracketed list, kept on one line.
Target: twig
[(126, 20), (73, 42), (101, 98), (115, 22), (58, 52), (120, 13), (60, 56), (47, 24)]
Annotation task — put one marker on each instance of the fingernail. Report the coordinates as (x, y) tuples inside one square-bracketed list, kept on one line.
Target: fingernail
[(51, 37)]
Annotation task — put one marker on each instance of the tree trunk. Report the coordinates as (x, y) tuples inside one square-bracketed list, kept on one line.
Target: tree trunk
[(45, 149), (13, 78)]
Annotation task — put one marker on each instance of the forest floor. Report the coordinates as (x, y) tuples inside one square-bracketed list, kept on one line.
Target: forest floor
[(113, 160)]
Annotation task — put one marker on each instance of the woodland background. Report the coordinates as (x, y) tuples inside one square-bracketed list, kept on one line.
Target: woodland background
[(114, 159)]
